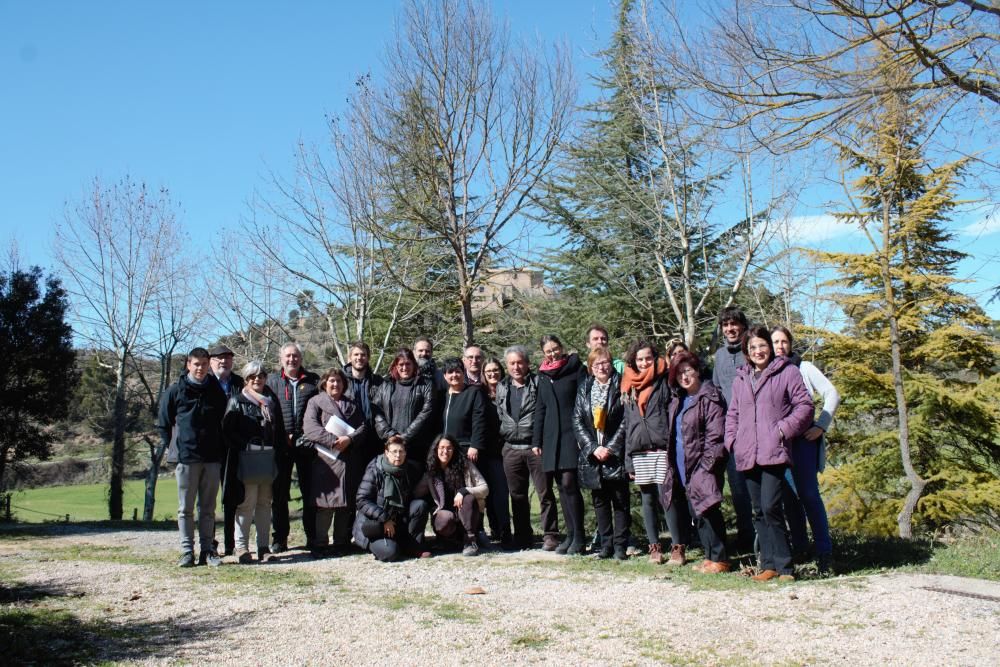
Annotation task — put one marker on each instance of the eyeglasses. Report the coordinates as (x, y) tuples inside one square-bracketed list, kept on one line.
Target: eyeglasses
[(473, 356), (688, 372), (602, 363)]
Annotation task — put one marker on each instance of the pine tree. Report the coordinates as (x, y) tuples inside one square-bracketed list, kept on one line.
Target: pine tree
[(918, 430)]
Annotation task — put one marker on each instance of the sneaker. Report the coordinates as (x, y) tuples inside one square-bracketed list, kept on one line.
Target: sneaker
[(243, 556), (655, 554), (187, 560), (471, 548), (676, 556), (209, 558), (550, 543)]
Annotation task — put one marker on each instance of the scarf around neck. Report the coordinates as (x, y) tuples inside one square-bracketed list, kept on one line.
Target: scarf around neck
[(393, 484), (260, 400), (638, 385), (548, 366)]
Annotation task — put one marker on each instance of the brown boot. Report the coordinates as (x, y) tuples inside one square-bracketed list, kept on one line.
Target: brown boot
[(676, 555), (713, 567), (766, 575), (655, 554)]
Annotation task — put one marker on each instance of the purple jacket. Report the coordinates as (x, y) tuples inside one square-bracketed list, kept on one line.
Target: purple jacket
[(702, 431), (762, 423)]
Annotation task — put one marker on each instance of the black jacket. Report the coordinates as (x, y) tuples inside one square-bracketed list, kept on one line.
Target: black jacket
[(293, 398), (363, 399), (371, 501), (591, 470), (244, 423), (464, 417), (196, 411), (553, 426), (519, 432), (651, 431), (415, 423), (232, 487)]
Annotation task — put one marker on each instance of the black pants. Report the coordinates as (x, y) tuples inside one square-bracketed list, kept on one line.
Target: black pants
[(522, 468), (612, 501), (796, 518), (710, 525), (229, 527), (765, 484), (405, 541), (742, 506), (679, 515), (571, 501), (650, 494), (302, 459)]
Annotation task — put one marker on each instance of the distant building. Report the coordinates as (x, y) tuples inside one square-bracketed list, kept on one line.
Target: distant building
[(502, 286)]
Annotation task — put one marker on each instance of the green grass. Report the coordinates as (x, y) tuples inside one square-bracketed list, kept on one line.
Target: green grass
[(435, 604), (530, 639), (89, 502), (970, 556)]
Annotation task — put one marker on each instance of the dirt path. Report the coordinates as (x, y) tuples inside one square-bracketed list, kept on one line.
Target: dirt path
[(133, 603)]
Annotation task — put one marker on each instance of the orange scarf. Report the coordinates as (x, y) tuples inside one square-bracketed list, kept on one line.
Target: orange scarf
[(638, 385)]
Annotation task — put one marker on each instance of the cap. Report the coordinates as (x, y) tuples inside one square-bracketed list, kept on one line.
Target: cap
[(220, 351)]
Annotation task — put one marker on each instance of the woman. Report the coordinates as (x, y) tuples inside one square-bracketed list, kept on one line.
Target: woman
[(458, 493), (336, 470), (492, 375), (464, 411), (598, 423), (697, 418), (403, 406), (553, 436), (647, 444), (675, 347), (809, 451), (252, 426), (390, 521), (770, 409)]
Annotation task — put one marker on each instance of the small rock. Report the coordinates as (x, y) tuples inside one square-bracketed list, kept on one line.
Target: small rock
[(475, 590)]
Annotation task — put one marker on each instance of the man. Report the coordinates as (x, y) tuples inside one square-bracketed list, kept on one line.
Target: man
[(728, 360), (194, 406), (361, 380), (423, 350), (597, 336), (293, 386), (221, 360), (515, 402), (472, 358)]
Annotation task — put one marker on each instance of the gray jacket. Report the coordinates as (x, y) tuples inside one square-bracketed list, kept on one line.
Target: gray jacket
[(519, 432), (728, 362)]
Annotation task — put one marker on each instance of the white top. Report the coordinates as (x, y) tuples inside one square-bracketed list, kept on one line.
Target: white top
[(817, 383)]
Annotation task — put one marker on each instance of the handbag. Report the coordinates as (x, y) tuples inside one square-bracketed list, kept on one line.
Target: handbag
[(257, 464)]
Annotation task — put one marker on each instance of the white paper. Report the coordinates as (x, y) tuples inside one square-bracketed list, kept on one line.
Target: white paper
[(331, 454), (338, 427)]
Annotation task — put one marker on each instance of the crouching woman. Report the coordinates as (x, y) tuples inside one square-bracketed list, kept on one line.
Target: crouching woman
[(458, 493), (390, 521)]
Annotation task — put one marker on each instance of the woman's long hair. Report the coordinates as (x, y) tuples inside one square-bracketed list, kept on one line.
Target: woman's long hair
[(454, 474)]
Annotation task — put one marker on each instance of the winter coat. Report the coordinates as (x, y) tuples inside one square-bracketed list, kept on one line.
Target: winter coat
[(334, 483), (474, 483), (762, 422), (195, 411), (371, 501), (519, 432), (703, 429), (415, 423), (728, 362), (244, 424), (232, 487), (591, 470), (650, 432), (464, 418), (553, 426), (363, 399), (293, 398)]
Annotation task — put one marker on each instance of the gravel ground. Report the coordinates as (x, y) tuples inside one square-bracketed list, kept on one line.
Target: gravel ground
[(538, 608)]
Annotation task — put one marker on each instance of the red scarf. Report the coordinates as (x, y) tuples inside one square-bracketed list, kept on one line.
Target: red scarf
[(638, 385), (553, 365)]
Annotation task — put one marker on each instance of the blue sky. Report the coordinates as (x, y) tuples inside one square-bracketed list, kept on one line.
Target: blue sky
[(206, 98)]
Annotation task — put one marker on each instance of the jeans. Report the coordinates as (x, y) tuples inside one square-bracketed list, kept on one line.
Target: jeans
[(742, 506), (764, 484), (498, 501), (199, 480), (302, 459), (521, 467), (805, 455), (406, 540), (612, 500), (256, 509), (679, 515)]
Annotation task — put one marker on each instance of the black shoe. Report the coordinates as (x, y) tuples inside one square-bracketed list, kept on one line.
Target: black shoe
[(575, 548), (605, 553), (187, 560), (621, 553), (564, 545), (209, 558), (279, 548), (824, 563)]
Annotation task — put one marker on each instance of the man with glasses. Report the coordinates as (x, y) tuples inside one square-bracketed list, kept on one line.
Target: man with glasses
[(472, 359)]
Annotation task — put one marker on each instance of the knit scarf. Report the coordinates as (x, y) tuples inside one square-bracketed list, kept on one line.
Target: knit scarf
[(638, 385), (553, 365), (260, 400), (394, 481)]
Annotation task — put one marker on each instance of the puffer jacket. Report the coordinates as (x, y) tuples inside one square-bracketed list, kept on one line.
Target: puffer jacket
[(195, 411), (244, 424), (592, 471), (293, 398), (649, 432), (415, 423), (371, 501), (703, 429), (519, 432), (762, 422)]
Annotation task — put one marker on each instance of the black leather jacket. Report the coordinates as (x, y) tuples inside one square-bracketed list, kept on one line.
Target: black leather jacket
[(590, 469), (519, 432)]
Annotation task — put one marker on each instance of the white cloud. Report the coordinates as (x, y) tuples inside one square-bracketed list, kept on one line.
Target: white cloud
[(988, 225), (813, 229)]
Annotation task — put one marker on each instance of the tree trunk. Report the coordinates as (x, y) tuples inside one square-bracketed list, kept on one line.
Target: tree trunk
[(116, 489), (156, 453), (468, 325)]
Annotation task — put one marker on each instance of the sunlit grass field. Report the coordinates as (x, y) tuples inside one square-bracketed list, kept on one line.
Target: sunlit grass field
[(89, 502)]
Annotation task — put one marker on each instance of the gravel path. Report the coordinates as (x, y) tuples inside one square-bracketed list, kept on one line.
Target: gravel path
[(537, 609)]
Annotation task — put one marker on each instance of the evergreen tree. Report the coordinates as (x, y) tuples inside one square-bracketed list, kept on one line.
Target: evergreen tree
[(38, 374), (914, 359)]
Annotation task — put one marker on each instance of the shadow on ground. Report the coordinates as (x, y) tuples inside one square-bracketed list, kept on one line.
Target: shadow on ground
[(36, 628), (9, 530), (855, 552)]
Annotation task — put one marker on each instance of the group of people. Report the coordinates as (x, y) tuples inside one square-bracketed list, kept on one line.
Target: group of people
[(461, 444)]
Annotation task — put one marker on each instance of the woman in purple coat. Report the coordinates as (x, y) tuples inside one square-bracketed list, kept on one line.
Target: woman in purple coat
[(770, 408)]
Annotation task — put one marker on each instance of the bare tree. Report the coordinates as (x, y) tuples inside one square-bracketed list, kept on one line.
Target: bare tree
[(463, 129), (113, 248)]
